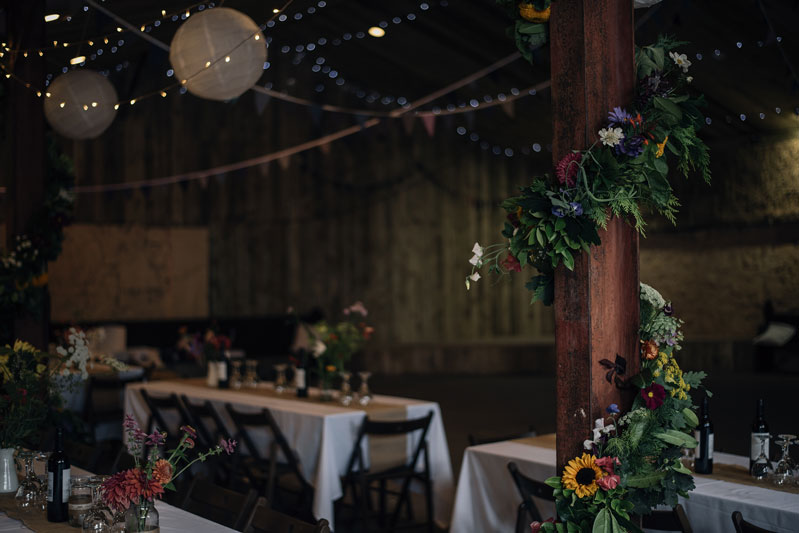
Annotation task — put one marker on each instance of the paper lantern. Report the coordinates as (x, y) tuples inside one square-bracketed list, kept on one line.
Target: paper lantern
[(219, 52), (81, 104)]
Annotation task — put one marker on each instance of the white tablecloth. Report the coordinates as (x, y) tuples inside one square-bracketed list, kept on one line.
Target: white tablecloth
[(322, 434), (171, 519), (487, 499)]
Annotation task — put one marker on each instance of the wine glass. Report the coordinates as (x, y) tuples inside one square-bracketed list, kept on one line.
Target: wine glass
[(762, 467), (280, 378), (251, 373), (235, 377), (99, 517), (27, 497), (345, 397), (364, 394), (42, 457), (783, 472)]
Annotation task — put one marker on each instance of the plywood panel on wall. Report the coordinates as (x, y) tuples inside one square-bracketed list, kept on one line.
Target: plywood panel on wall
[(111, 272)]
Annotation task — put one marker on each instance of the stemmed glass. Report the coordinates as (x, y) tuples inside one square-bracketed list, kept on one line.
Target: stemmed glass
[(364, 394), (99, 517), (762, 467), (27, 497), (280, 378), (235, 378), (345, 397), (251, 373), (783, 472), (42, 457)]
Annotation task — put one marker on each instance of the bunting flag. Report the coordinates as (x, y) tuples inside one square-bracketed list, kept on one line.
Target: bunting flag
[(261, 100), (263, 170), (509, 109), (316, 114), (325, 148), (408, 121), (429, 124), (284, 162), (203, 182)]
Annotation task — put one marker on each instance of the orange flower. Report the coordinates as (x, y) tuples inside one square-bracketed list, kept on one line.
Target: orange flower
[(162, 472), (528, 12), (649, 350)]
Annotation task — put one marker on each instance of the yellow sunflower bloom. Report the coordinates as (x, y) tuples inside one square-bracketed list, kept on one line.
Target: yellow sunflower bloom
[(22, 346), (581, 475), (530, 13)]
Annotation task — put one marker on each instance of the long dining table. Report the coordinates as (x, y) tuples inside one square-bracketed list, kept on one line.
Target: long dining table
[(487, 499), (321, 433)]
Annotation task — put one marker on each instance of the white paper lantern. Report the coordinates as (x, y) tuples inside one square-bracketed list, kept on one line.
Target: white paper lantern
[(220, 53), (81, 104)]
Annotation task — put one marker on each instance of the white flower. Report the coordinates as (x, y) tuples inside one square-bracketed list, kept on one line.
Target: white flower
[(477, 250), (475, 276), (689, 79), (318, 348), (652, 296), (599, 429), (476, 260), (611, 136), (681, 60)]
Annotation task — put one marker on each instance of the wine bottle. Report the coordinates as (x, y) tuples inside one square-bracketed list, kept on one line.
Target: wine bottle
[(301, 376), (704, 452), (223, 371), (58, 478), (759, 432)]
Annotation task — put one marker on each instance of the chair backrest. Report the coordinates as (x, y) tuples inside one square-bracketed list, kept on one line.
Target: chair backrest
[(198, 413), (261, 419), (219, 504), (104, 397), (529, 488), (389, 428), (742, 526), (475, 440), (158, 405), (266, 520), (674, 520)]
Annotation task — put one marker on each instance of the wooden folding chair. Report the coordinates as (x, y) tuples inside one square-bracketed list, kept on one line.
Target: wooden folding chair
[(528, 488), (219, 504), (673, 520), (263, 519), (742, 526)]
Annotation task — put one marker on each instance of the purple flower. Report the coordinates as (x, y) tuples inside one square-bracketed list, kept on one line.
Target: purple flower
[(631, 146), (618, 116), (667, 310), (577, 208), (190, 430), (228, 445), (156, 438), (558, 212), (130, 423), (612, 409)]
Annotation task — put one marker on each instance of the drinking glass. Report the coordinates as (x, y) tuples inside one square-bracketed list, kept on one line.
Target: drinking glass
[(80, 500), (345, 397), (235, 375), (27, 497), (783, 472), (251, 373), (762, 467), (364, 394), (280, 378), (99, 517)]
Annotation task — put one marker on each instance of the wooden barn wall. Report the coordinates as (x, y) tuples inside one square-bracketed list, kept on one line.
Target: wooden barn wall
[(386, 216)]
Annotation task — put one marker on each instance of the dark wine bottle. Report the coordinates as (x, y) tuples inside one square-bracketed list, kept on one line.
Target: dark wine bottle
[(704, 452), (759, 432), (58, 478), (301, 375)]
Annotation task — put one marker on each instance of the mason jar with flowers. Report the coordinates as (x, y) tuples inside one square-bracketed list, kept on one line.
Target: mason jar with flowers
[(334, 344)]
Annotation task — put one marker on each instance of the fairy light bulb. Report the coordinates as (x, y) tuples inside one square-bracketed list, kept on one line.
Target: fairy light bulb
[(376, 31), (51, 17), (77, 60)]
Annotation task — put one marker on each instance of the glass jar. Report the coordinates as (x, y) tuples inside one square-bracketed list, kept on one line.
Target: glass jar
[(142, 517), (80, 500)]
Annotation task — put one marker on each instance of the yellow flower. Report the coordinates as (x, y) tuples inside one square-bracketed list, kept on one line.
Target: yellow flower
[(40, 281), (581, 475), (530, 13), (40, 368), (661, 146), (330, 368), (656, 373), (22, 346)]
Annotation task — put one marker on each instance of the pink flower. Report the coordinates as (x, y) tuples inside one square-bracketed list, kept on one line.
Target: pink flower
[(653, 396), (608, 463), (608, 482), (190, 430), (189, 442), (228, 445), (511, 264), (535, 527), (566, 169), (156, 438)]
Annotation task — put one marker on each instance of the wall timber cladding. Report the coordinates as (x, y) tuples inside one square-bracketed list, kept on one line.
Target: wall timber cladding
[(110, 272)]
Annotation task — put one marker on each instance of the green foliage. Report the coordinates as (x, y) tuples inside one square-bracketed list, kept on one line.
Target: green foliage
[(529, 36)]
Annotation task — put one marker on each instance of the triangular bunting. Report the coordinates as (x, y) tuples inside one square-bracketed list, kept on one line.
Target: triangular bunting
[(261, 100), (509, 109), (316, 114), (325, 148), (284, 162), (408, 120), (429, 122)]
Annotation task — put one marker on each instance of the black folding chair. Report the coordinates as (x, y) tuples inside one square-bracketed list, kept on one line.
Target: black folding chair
[(281, 481), (219, 504), (528, 488), (742, 526), (672, 520), (266, 520), (199, 415), (104, 401), (360, 479)]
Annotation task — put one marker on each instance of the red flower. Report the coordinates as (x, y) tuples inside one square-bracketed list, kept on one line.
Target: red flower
[(535, 527), (566, 170), (511, 264), (653, 396), (608, 482), (608, 463), (129, 486)]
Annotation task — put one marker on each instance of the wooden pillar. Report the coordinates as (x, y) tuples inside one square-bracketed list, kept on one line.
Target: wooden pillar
[(596, 304), (25, 191)]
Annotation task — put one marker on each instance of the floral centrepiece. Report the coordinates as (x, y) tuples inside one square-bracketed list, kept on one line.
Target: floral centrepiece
[(625, 170), (150, 477), (632, 464)]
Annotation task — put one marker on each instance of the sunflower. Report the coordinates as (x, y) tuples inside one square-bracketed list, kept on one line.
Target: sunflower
[(581, 475)]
